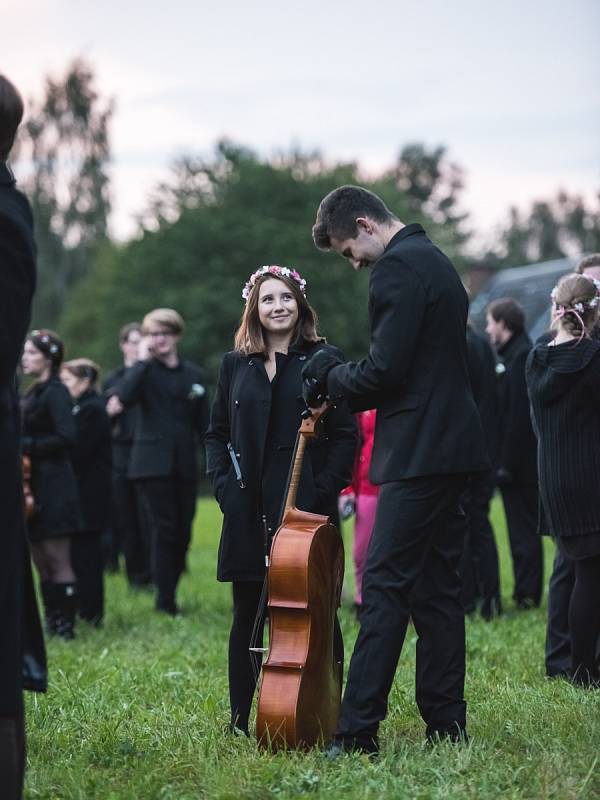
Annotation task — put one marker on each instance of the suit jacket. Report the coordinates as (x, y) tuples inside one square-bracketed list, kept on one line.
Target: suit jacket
[(260, 420), (91, 457), (518, 447), (416, 373), (482, 371), (172, 418), (122, 425), (20, 630)]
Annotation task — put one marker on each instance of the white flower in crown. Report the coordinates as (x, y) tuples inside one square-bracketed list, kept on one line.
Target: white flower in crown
[(273, 269), (579, 307)]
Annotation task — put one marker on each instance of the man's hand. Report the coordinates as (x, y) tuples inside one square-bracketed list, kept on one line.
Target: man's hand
[(114, 407), (145, 350), (314, 377)]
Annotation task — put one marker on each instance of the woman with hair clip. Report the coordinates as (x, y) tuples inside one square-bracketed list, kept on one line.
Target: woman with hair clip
[(255, 418), (91, 458), (563, 379), (48, 437)]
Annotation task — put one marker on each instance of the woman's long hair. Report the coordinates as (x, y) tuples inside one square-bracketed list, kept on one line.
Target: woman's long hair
[(250, 335)]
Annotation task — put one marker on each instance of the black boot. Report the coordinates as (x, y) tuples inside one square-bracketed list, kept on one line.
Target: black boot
[(67, 610), (50, 610)]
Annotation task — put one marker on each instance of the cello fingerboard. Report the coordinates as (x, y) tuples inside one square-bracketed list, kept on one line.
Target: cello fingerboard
[(290, 500)]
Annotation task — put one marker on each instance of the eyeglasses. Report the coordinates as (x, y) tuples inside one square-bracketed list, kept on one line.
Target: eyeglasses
[(157, 334)]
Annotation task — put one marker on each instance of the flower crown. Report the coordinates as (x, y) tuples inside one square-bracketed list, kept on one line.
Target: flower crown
[(46, 340), (279, 272), (580, 306)]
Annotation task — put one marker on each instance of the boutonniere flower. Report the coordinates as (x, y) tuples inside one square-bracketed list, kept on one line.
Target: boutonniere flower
[(197, 390)]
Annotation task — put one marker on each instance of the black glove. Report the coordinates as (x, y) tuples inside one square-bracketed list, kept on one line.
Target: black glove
[(314, 377)]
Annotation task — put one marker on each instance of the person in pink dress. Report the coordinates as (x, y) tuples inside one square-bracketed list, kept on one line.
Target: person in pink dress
[(361, 496)]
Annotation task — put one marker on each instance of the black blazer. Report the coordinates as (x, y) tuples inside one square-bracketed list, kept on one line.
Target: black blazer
[(261, 419), (416, 371), (518, 446), (48, 437), (20, 629), (482, 371), (91, 458), (172, 418)]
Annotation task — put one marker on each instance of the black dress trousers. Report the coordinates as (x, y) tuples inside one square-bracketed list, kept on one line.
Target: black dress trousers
[(170, 504), (521, 506), (87, 558), (558, 639), (411, 572)]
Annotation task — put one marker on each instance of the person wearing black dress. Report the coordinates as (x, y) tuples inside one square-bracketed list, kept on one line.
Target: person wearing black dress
[(255, 418), (127, 520), (91, 458), (516, 473), (48, 439), (22, 652), (563, 379), (170, 394)]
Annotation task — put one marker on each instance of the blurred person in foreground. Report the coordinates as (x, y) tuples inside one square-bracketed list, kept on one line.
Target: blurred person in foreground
[(172, 418), (22, 654), (428, 440), (516, 473), (91, 459), (128, 529), (563, 378)]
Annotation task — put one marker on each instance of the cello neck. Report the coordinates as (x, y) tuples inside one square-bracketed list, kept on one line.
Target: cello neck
[(295, 472)]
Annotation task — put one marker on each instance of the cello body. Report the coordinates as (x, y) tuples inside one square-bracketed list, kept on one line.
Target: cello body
[(301, 684)]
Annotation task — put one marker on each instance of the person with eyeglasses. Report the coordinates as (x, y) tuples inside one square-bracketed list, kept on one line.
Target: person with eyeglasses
[(171, 396)]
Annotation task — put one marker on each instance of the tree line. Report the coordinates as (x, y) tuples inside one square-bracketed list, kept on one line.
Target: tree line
[(214, 220)]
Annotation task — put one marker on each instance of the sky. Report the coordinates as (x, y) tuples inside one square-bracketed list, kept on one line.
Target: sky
[(511, 88)]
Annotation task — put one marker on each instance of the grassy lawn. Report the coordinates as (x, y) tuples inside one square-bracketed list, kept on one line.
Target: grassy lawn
[(138, 711)]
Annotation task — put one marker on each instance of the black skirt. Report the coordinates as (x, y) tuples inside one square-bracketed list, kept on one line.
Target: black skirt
[(579, 547)]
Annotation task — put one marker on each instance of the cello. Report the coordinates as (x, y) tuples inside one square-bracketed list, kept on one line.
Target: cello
[(301, 681)]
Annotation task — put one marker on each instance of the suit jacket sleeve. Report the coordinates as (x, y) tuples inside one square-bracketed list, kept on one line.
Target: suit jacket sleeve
[(219, 433), (517, 419), (131, 388), (397, 308), (63, 438), (201, 409), (17, 280)]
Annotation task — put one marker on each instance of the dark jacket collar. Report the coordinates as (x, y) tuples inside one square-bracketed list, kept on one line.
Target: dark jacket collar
[(6, 175), (403, 233), (515, 345)]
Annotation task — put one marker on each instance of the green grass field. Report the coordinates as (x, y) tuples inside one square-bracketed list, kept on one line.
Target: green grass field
[(139, 709)]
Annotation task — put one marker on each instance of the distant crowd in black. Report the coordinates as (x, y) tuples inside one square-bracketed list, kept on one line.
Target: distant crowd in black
[(114, 465)]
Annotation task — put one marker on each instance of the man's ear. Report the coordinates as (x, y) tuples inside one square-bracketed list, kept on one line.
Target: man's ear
[(365, 224)]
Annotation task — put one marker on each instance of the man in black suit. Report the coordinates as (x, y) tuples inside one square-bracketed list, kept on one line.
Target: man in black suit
[(22, 656), (428, 439), (127, 522), (172, 419), (517, 464)]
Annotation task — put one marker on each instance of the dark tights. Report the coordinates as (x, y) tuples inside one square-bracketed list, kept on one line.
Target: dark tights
[(584, 619), (245, 666)]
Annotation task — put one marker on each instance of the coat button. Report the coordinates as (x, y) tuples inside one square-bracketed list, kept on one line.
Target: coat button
[(237, 403), (251, 363), (301, 358)]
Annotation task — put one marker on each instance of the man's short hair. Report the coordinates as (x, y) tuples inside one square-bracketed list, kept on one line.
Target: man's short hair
[(508, 311), (127, 330), (593, 260), (11, 114), (167, 317), (339, 210)]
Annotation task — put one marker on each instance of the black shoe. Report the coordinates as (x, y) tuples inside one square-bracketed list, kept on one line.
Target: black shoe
[(236, 730), (339, 747), (526, 603), (455, 734), (49, 598), (66, 610), (168, 607)]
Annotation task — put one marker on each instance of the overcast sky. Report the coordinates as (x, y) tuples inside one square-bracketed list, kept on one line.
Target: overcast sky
[(510, 88)]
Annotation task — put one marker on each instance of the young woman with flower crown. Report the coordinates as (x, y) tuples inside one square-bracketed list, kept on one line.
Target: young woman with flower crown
[(48, 439), (563, 380), (255, 418)]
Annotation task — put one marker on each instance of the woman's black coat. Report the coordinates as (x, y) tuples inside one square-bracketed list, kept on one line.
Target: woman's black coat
[(261, 419), (91, 458), (564, 388), (48, 437)]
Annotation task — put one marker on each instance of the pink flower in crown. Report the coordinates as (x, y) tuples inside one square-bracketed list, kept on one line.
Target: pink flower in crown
[(273, 269)]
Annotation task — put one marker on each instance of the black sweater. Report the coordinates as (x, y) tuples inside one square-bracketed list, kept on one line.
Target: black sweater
[(564, 387)]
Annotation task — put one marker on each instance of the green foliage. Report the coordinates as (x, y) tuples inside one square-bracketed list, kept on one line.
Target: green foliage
[(66, 139), (139, 709), (212, 225)]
